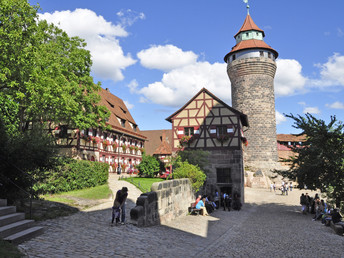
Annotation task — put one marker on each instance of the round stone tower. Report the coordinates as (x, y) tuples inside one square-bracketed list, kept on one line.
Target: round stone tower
[(251, 68)]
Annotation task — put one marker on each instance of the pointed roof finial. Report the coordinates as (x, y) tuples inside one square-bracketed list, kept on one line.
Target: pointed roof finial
[(247, 6)]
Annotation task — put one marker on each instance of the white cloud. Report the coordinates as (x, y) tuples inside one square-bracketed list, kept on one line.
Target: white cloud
[(311, 110), (302, 103), (181, 84), (101, 37), (133, 86), (289, 79), (129, 17), (166, 58), (336, 105), (128, 105), (280, 117), (340, 33), (331, 72)]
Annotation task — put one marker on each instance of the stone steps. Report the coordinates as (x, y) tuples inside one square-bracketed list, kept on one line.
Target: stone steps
[(24, 235), (14, 228)]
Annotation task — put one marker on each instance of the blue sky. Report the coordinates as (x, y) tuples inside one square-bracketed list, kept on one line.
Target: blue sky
[(156, 55)]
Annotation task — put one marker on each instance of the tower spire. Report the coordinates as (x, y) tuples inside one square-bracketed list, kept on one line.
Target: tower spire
[(247, 7)]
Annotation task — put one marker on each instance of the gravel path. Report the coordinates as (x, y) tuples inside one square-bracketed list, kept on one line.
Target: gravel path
[(269, 225)]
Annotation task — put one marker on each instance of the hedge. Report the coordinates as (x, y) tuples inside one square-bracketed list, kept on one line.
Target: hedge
[(72, 175)]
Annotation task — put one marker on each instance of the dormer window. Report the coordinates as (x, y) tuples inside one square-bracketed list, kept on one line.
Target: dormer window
[(111, 105), (122, 122), (134, 128), (123, 111)]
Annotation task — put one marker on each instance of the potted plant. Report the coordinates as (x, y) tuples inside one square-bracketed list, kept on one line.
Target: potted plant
[(222, 138), (124, 147), (114, 146), (186, 139), (105, 143)]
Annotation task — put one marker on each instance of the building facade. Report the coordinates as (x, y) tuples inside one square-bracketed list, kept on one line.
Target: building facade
[(251, 69), (207, 123), (121, 146)]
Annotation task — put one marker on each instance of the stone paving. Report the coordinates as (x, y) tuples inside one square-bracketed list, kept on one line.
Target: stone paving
[(269, 225)]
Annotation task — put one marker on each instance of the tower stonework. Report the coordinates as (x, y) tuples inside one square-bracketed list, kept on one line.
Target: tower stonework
[(251, 68)]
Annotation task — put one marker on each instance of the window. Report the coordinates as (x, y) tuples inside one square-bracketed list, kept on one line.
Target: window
[(135, 128), (221, 130), (122, 122), (269, 55), (223, 175), (233, 57), (189, 131), (261, 53), (111, 105), (94, 132), (123, 110), (105, 135), (246, 34)]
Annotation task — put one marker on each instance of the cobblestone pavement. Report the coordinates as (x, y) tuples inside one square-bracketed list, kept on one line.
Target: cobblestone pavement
[(269, 225)]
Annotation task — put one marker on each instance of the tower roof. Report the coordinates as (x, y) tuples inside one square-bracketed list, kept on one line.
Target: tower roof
[(252, 43), (249, 25)]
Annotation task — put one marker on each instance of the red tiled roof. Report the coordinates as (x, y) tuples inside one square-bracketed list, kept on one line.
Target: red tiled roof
[(291, 138), (249, 25), (252, 43), (282, 147), (118, 109), (154, 141)]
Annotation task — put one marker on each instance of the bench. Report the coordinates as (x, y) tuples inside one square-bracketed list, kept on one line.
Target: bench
[(193, 211), (337, 228)]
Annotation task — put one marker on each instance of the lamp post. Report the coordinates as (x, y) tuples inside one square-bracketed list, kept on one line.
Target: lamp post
[(119, 142)]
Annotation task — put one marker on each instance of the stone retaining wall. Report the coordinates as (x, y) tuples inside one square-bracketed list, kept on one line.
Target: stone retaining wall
[(166, 201)]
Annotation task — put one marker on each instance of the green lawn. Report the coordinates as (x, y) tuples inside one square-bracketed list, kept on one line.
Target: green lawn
[(94, 193), (143, 183)]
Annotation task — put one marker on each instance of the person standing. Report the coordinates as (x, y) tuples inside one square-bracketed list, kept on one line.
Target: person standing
[(291, 186), (119, 206)]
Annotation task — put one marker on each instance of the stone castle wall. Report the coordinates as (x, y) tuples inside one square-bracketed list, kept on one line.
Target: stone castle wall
[(252, 82), (167, 201), (225, 158)]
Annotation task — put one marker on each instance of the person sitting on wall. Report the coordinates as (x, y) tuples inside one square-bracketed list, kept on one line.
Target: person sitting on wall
[(197, 200), (201, 206)]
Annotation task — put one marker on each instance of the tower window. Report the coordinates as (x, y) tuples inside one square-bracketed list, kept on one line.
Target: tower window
[(269, 55), (261, 53), (233, 57), (246, 34)]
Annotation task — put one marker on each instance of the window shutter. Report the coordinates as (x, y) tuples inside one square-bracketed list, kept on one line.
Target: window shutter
[(212, 131), (180, 132), (196, 131), (230, 129)]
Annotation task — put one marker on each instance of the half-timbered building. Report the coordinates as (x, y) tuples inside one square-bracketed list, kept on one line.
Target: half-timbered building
[(206, 122), (121, 146)]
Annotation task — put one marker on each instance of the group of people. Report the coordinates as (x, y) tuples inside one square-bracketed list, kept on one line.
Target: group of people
[(321, 210), (285, 187), (207, 204)]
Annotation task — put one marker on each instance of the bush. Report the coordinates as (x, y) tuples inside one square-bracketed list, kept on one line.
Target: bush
[(149, 166), (194, 173), (69, 174)]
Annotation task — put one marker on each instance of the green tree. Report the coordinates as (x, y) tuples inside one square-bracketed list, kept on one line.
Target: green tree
[(319, 163), (186, 170), (20, 154), (44, 73), (149, 166)]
